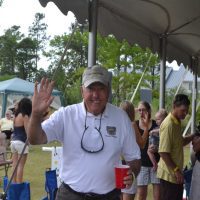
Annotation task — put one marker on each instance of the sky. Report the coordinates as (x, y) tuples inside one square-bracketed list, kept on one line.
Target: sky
[(22, 13)]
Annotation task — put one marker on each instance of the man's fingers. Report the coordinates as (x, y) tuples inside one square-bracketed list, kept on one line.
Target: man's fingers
[(42, 83), (50, 100), (36, 88), (50, 87), (46, 84)]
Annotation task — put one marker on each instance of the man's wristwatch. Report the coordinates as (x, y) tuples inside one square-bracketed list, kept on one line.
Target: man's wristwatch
[(175, 169)]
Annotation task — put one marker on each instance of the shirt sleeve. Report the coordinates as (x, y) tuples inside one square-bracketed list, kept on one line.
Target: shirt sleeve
[(54, 126), (165, 138), (130, 149)]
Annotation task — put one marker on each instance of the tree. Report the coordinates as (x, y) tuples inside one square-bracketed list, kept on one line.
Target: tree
[(8, 45), (38, 33), (125, 61), (67, 73), (26, 67), (19, 55)]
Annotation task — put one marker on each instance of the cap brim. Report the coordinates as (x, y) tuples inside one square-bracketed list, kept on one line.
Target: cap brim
[(91, 81)]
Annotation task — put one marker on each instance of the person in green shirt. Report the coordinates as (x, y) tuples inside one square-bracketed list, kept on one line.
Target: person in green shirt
[(171, 145)]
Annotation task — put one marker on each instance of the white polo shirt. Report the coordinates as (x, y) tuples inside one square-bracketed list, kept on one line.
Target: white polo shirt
[(91, 172)]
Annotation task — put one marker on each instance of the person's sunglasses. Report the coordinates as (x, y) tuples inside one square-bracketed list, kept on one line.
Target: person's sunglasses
[(92, 139)]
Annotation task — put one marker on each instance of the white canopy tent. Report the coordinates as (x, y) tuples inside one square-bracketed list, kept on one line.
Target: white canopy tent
[(145, 22), (170, 28)]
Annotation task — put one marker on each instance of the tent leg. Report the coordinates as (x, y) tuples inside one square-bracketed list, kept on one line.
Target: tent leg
[(4, 104), (93, 13), (194, 101), (163, 48)]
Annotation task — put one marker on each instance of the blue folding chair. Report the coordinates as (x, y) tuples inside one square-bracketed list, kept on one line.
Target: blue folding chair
[(50, 184), (17, 191)]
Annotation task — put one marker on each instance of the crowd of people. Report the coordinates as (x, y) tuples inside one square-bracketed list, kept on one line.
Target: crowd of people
[(97, 135)]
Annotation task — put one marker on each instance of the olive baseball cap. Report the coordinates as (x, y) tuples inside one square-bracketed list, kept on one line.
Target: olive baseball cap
[(94, 74)]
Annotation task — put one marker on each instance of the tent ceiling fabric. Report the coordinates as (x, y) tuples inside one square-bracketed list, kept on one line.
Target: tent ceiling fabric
[(145, 21)]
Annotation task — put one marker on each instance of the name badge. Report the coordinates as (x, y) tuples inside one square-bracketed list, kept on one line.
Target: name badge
[(111, 130)]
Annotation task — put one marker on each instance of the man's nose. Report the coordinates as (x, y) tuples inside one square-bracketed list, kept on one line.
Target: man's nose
[(95, 93)]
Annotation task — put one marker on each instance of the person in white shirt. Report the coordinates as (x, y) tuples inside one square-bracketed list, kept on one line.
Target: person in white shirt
[(6, 126), (93, 133)]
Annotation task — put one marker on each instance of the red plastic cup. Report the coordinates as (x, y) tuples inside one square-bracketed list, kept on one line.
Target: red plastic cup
[(120, 172)]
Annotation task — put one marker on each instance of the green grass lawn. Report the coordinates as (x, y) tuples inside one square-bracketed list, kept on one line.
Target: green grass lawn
[(38, 161)]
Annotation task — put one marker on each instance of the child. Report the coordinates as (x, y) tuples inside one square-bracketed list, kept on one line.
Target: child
[(154, 137)]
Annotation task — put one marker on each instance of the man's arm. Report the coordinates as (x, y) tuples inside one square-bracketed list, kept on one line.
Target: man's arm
[(135, 166), (40, 102), (35, 133), (169, 162), (196, 144), (188, 139), (133, 172)]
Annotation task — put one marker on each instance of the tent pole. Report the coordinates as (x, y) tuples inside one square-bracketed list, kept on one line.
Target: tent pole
[(141, 78), (93, 13), (194, 107), (4, 105), (194, 96), (179, 86), (163, 48)]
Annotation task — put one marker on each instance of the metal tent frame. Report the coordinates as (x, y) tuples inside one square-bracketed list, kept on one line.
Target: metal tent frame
[(171, 28)]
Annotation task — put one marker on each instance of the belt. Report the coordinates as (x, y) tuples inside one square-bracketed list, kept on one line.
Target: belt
[(94, 196)]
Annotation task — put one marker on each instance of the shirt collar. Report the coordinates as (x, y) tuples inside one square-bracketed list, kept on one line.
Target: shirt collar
[(174, 119), (105, 113)]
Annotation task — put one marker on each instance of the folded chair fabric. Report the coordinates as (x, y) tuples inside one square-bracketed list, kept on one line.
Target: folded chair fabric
[(50, 184)]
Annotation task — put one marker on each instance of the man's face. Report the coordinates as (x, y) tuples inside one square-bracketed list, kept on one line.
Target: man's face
[(181, 111), (95, 97)]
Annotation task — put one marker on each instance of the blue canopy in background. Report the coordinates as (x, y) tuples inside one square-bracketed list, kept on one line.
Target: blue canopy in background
[(16, 88)]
